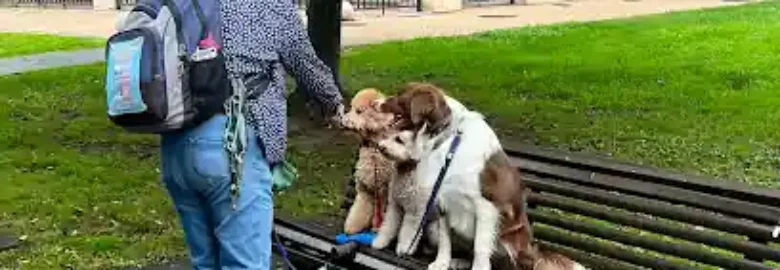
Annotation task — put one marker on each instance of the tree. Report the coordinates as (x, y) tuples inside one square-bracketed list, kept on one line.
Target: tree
[(324, 29)]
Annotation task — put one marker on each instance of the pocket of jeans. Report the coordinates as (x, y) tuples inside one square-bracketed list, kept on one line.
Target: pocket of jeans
[(209, 159)]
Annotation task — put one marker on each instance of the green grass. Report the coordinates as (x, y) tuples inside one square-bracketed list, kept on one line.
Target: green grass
[(693, 91), (18, 44), (87, 195)]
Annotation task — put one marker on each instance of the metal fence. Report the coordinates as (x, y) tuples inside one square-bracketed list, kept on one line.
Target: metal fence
[(47, 3), (372, 4), (469, 3), (124, 4), (381, 4)]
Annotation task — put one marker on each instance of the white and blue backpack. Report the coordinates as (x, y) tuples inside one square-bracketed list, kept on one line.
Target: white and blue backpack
[(165, 70)]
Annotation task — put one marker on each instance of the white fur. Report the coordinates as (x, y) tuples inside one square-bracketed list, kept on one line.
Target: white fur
[(466, 212), (405, 203), (405, 207)]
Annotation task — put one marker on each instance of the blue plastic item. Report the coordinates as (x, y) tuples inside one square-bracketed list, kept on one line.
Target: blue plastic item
[(364, 238)]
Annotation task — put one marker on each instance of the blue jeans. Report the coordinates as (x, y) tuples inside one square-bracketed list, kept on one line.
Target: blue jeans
[(196, 173)]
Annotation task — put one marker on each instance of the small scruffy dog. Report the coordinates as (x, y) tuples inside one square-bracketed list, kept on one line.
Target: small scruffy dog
[(373, 170), (406, 201)]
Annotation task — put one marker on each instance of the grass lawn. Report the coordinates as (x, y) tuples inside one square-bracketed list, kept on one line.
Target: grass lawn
[(18, 44), (691, 91), (87, 195)]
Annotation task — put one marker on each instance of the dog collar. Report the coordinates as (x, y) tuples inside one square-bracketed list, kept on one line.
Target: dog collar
[(444, 136)]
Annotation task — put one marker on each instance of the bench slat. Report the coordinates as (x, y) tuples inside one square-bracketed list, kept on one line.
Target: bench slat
[(682, 250), (764, 214), (588, 259), (652, 207), (607, 250), (652, 225), (735, 190)]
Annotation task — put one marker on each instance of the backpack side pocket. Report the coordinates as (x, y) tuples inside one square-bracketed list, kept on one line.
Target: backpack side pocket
[(133, 79)]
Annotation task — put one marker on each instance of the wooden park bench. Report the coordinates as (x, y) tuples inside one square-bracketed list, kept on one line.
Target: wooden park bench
[(610, 215)]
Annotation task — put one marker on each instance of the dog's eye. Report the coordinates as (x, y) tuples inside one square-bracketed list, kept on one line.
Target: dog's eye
[(359, 110), (398, 140)]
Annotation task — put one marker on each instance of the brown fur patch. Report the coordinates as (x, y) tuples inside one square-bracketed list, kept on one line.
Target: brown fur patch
[(366, 97), (553, 261), (501, 184), (418, 104)]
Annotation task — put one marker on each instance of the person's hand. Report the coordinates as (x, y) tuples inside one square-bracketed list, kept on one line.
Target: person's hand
[(337, 117)]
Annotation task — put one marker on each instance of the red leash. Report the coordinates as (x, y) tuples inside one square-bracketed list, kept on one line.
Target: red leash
[(377, 209)]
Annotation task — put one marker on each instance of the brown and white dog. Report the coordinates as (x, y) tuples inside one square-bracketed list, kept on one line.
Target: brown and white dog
[(482, 197), (373, 171)]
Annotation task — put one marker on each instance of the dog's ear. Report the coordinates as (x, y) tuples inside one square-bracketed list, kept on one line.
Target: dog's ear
[(391, 105), (421, 106), (427, 105), (364, 97)]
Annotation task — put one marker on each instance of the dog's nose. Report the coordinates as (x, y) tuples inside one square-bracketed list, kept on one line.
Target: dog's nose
[(346, 122)]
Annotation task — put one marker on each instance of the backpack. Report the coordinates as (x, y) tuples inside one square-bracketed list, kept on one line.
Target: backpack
[(165, 70)]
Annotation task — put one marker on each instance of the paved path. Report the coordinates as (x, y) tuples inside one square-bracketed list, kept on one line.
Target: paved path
[(371, 28), (394, 25), (49, 60)]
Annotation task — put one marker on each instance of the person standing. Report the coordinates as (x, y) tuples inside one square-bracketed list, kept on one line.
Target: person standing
[(262, 40)]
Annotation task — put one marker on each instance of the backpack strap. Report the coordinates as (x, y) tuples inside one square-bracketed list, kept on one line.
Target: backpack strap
[(201, 18), (179, 32)]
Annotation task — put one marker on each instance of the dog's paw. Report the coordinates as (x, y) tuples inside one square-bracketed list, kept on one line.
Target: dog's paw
[(352, 228), (401, 250), (439, 264), (405, 248), (380, 243), (480, 264)]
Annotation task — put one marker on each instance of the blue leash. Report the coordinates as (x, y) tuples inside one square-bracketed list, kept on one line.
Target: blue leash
[(283, 252), (429, 206)]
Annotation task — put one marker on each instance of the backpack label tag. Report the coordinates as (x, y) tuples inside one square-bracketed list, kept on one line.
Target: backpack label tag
[(203, 54)]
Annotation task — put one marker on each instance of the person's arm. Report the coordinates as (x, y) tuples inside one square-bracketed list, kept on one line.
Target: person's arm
[(300, 60)]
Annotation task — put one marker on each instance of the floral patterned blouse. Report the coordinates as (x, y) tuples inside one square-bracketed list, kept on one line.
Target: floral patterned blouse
[(267, 38)]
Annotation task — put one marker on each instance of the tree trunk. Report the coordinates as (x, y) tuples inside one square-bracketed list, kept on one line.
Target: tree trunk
[(324, 26), (324, 29)]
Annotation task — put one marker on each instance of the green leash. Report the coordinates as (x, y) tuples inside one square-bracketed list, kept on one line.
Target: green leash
[(283, 173), (235, 136)]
